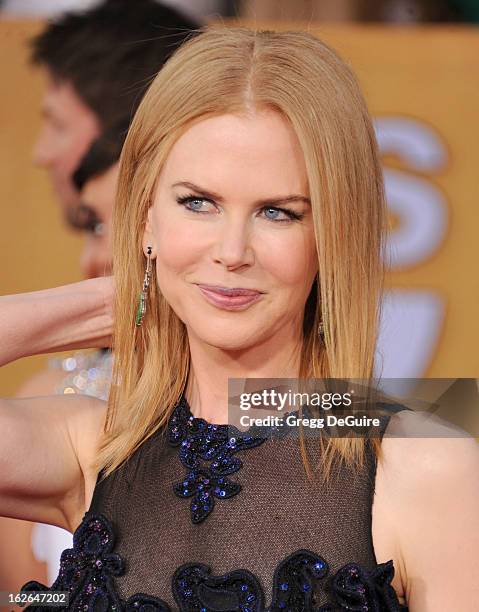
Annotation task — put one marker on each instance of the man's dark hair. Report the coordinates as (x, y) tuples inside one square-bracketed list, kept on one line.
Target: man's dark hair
[(102, 154), (111, 53)]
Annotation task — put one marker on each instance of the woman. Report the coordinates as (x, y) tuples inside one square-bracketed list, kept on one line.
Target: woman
[(251, 214)]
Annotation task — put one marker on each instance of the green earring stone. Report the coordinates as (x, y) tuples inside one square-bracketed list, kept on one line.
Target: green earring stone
[(139, 314)]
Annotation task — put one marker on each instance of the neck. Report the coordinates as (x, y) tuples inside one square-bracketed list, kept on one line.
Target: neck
[(207, 387)]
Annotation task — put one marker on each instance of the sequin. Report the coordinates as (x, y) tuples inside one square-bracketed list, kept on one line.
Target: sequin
[(88, 572), (356, 587), (194, 588), (201, 442)]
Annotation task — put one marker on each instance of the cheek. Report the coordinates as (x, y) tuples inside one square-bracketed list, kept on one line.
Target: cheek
[(290, 259), (177, 248), (53, 145), (104, 246), (75, 146), (67, 151), (73, 142)]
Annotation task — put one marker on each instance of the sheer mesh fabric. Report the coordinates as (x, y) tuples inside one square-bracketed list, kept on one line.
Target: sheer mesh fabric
[(277, 512)]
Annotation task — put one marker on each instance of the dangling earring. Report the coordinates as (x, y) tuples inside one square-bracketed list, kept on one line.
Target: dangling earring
[(140, 312)]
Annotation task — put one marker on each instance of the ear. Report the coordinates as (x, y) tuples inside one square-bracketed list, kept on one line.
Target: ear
[(149, 235)]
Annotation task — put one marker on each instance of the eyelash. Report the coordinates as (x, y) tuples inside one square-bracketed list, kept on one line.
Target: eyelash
[(293, 216)]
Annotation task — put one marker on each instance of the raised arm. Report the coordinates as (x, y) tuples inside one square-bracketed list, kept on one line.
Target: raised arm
[(71, 316), (47, 443)]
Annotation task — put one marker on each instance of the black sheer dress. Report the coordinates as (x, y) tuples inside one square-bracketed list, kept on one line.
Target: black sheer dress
[(202, 520)]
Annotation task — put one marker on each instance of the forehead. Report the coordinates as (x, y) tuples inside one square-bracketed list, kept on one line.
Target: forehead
[(99, 192), (260, 150), (60, 96)]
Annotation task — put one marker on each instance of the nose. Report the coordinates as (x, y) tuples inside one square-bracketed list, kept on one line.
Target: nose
[(95, 259), (233, 247)]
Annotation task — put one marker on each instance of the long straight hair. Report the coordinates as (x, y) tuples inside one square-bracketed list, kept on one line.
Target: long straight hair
[(237, 70)]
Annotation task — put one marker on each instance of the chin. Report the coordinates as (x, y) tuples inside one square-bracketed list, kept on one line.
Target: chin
[(227, 339)]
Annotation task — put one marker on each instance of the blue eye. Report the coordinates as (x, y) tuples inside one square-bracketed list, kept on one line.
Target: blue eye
[(192, 203), (276, 212), (290, 214), (196, 204)]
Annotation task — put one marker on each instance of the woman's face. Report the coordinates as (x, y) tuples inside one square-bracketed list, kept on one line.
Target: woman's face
[(231, 211), (93, 217)]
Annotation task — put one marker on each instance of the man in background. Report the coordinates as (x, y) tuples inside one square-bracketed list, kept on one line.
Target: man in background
[(98, 66)]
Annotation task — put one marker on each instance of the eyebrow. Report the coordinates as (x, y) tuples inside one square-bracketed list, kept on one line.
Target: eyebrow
[(269, 201)]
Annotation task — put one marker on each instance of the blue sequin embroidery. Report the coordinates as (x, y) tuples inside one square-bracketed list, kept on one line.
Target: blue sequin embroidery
[(87, 572), (201, 442)]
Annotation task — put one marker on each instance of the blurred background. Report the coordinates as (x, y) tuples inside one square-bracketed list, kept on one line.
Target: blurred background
[(386, 11), (417, 61), (418, 64)]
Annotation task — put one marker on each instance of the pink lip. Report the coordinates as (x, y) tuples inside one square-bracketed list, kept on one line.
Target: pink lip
[(229, 299)]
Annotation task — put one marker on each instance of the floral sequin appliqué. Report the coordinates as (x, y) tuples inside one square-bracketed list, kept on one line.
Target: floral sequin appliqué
[(89, 569), (201, 442), (88, 572)]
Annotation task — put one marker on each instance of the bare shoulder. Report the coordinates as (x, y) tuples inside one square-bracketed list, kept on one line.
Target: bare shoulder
[(85, 423), (58, 436), (84, 415), (86, 427), (84, 418), (429, 503), (420, 447)]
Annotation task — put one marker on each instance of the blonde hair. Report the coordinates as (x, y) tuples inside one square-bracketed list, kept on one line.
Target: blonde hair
[(233, 70)]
